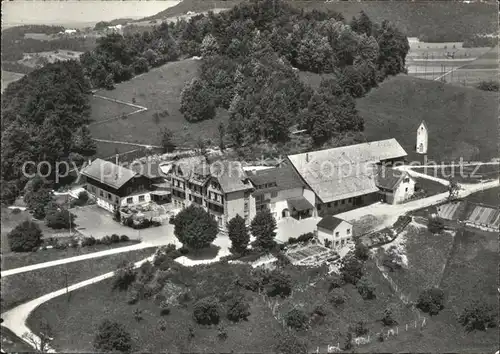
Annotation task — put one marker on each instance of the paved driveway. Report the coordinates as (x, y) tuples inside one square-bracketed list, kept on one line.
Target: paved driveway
[(290, 227), (97, 222)]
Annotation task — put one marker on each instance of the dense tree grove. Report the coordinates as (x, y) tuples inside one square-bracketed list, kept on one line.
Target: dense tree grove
[(250, 53), (43, 119)]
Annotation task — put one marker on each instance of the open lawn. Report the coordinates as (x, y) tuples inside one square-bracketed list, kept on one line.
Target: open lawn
[(426, 256), (8, 77), (105, 150), (159, 90), (462, 122), (430, 187), (472, 272), (489, 196), (103, 109), (15, 260), (20, 288)]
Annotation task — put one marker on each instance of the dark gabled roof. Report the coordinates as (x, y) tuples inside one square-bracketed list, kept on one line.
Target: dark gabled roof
[(278, 179), (389, 178), (108, 173), (299, 203), (425, 125), (230, 175), (329, 222)]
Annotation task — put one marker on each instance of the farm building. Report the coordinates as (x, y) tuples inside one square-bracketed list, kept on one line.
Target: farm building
[(114, 186), (281, 191), (335, 231), (394, 186), (345, 177), (422, 138)]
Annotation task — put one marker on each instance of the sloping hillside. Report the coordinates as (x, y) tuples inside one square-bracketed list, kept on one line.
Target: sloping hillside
[(415, 18), (462, 122)]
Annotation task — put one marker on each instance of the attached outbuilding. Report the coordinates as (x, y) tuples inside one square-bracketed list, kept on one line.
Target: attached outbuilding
[(335, 231), (394, 186)]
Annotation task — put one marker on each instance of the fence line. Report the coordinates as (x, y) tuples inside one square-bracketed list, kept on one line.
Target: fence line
[(392, 332)]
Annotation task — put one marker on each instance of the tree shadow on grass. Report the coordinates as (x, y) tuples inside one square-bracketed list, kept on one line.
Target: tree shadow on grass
[(204, 253)]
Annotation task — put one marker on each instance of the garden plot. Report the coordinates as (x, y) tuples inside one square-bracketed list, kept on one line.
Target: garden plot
[(304, 253), (451, 211)]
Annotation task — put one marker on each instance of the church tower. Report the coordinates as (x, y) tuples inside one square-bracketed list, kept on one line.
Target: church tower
[(422, 138)]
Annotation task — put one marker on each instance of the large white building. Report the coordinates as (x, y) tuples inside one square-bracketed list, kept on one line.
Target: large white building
[(282, 191), (344, 178)]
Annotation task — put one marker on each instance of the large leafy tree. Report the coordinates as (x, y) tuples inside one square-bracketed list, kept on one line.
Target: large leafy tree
[(431, 300), (394, 47), (83, 143), (58, 217), (196, 102), (25, 237), (238, 234), (263, 228), (362, 24), (195, 228), (351, 269)]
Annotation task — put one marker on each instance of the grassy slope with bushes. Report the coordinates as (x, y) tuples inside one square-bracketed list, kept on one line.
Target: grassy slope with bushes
[(20, 288), (96, 303)]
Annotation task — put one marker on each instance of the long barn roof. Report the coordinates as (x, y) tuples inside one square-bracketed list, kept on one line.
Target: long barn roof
[(345, 172)]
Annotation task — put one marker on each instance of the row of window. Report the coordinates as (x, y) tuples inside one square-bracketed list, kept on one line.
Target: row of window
[(348, 232), (336, 203), (261, 198), (267, 185)]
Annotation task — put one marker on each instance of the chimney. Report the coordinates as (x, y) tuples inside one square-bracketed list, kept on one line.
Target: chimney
[(307, 157)]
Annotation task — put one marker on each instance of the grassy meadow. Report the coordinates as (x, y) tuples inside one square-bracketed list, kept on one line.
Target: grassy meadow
[(462, 122), (159, 90)]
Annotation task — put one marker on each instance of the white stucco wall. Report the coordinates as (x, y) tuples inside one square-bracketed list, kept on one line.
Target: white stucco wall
[(135, 199), (422, 139), (344, 230), (403, 191)]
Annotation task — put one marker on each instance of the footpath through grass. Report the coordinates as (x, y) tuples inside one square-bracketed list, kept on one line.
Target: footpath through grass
[(16, 260), (20, 288), (93, 304)]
